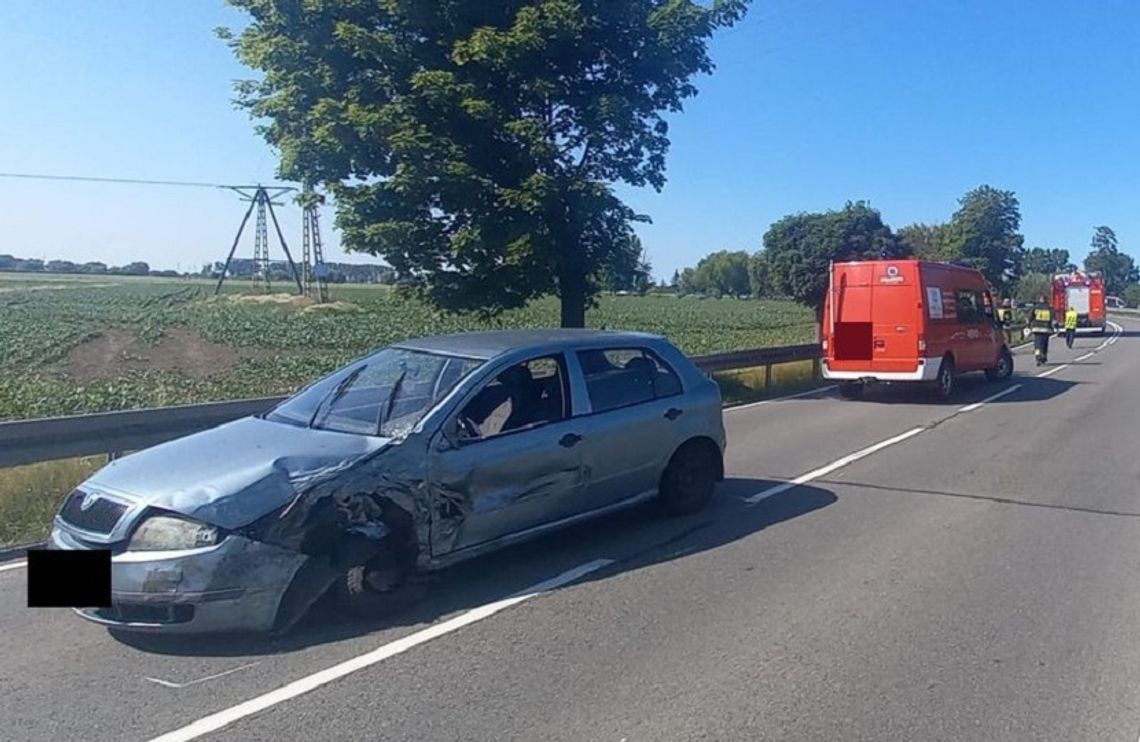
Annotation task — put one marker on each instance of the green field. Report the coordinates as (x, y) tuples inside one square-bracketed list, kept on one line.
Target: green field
[(86, 344)]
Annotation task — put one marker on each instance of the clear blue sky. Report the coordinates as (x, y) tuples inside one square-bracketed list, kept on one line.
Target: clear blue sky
[(814, 102)]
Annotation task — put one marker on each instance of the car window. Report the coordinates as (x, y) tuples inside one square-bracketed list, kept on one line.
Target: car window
[(526, 395), (386, 394), (619, 377), (969, 306)]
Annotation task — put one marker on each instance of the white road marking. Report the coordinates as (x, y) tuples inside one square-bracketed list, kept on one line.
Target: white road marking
[(1053, 370), (991, 398), (837, 464), (1086, 355), (224, 718), (750, 405), (13, 565), (168, 684)]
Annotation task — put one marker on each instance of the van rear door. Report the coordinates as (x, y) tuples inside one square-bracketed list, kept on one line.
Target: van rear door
[(895, 321), (850, 317)]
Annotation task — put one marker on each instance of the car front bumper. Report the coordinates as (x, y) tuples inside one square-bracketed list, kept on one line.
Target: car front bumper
[(235, 585)]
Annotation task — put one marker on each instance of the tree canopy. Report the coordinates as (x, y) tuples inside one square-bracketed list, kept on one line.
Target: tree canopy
[(722, 273), (1119, 269), (800, 248), (472, 144), (1052, 262), (628, 268), (929, 241), (984, 230)]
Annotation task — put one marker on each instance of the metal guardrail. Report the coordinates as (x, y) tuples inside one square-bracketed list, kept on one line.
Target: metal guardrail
[(48, 439)]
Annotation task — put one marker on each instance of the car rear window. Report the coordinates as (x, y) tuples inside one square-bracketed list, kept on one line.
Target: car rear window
[(619, 377)]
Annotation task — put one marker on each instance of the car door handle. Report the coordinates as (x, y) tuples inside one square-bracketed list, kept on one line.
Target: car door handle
[(569, 440), (673, 413)]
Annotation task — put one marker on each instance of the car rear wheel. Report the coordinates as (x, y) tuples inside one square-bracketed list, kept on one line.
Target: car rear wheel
[(944, 384), (689, 480), (1003, 369), (851, 390)]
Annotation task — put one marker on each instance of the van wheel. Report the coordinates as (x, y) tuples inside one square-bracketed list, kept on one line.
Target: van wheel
[(688, 481), (1003, 369), (851, 390), (944, 384)]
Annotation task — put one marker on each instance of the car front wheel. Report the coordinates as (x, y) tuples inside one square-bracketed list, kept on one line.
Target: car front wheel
[(369, 591)]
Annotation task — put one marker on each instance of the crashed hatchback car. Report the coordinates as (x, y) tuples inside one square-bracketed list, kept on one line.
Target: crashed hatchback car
[(420, 455)]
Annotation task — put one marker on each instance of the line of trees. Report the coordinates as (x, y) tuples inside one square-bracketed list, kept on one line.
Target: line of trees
[(984, 231), (35, 265)]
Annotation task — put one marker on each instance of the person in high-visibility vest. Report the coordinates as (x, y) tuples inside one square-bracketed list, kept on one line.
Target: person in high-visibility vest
[(1041, 325), (1070, 325)]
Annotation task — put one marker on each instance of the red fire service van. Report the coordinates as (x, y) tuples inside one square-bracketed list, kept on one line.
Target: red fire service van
[(909, 321), (1084, 292)]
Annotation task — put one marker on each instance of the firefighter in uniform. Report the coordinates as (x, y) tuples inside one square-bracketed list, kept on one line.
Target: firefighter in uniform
[(1041, 325), (1070, 325)]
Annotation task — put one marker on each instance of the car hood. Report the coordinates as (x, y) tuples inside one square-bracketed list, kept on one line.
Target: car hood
[(233, 474)]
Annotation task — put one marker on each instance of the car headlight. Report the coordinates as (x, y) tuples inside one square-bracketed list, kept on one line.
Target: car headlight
[(167, 533)]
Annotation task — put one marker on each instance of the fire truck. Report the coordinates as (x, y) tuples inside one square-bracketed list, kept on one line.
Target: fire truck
[(1084, 291)]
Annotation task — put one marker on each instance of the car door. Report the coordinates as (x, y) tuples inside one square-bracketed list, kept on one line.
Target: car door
[(509, 459), (632, 427)]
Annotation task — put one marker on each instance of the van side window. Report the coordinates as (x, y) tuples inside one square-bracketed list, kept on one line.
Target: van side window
[(969, 303), (620, 377)]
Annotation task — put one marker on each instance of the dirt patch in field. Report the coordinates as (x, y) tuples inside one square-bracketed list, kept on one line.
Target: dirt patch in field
[(114, 352)]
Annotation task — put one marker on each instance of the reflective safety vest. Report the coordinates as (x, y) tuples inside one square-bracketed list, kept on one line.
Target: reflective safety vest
[(1041, 320), (1005, 315), (1071, 319)]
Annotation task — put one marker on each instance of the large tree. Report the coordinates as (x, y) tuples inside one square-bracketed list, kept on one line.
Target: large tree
[(929, 241), (1041, 260), (1119, 269), (984, 230), (801, 247), (722, 273), (627, 269), (472, 144)]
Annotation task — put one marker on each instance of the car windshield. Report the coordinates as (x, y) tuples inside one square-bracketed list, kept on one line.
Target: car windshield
[(386, 394)]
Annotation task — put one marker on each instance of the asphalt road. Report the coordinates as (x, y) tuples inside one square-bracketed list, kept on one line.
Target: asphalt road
[(940, 572)]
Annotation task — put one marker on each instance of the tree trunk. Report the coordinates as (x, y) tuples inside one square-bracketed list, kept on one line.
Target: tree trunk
[(572, 293)]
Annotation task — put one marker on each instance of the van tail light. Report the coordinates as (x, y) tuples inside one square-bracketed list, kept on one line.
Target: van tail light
[(921, 344), (824, 345)]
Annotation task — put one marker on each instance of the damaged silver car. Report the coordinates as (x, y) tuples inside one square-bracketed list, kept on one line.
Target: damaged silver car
[(420, 455)]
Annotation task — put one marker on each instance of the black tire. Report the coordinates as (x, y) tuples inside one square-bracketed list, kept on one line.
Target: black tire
[(851, 390), (373, 591), (1004, 367), (944, 383), (688, 481)]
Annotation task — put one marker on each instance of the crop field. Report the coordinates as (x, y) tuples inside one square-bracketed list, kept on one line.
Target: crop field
[(76, 345)]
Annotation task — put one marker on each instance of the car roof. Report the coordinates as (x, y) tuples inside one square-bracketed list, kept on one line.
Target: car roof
[(490, 344)]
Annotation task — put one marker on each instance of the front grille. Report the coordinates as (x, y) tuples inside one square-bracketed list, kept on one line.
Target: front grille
[(136, 613), (100, 517)]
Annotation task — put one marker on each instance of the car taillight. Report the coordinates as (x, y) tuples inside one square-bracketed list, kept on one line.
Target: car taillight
[(825, 345), (921, 344)]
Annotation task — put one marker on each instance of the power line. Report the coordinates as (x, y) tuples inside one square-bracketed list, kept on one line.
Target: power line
[(135, 181)]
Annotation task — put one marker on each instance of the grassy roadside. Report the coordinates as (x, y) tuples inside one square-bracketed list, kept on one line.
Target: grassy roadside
[(30, 496)]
